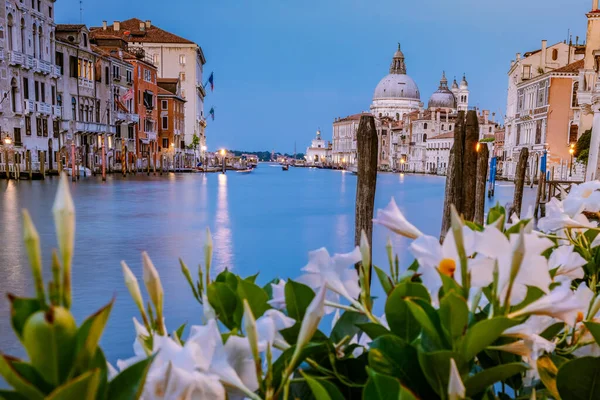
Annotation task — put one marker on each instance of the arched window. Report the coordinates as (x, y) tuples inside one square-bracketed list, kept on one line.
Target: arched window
[(443, 126), (554, 54), (13, 95), (379, 115), (424, 137), (74, 108), (34, 40), (397, 116), (23, 43), (425, 125), (490, 129), (10, 32), (574, 102)]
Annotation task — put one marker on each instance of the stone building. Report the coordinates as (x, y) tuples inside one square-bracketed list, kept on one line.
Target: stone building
[(171, 121), (174, 57), (28, 79), (343, 150), (438, 153), (319, 152)]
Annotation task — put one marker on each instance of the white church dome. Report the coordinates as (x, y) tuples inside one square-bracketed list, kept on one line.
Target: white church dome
[(443, 97), (397, 84)]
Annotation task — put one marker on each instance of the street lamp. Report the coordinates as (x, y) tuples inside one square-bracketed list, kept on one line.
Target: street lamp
[(571, 151), (7, 143)]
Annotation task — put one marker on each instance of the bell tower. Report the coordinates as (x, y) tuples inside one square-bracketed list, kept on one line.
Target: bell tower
[(398, 65)]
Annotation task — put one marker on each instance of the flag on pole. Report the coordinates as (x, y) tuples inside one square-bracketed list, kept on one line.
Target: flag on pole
[(211, 80), (128, 95), (212, 113)]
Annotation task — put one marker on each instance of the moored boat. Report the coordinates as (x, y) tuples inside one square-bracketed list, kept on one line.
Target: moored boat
[(285, 167)]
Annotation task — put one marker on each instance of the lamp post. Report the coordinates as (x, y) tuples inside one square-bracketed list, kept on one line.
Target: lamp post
[(7, 142), (571, 151)]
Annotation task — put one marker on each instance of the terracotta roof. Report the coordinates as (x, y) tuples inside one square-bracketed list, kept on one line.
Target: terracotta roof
[(353, 117), (571, 68), (152, 34), (447, 135), (69, 27)]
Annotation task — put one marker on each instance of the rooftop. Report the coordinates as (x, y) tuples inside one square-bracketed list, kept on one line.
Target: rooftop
[(447, 135), (571, 68), (353, 117), (69, 27), (132, 31)]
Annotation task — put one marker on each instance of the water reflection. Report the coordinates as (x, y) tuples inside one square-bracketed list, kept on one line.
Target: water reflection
[(223, 242)]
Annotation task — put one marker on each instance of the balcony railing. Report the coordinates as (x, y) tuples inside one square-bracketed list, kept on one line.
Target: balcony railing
[(29, 106), (57, 70), (86, 83), (15, 58), (128, 118), (56, 111), (29, 62), (43, 108), (1, 54), (44, 67), (94, 127)]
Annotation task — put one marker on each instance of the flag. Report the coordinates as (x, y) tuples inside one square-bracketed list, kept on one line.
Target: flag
[(128, 95), (211, 80), (212, 113)]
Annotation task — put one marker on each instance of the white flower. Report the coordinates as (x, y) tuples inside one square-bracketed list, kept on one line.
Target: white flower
[(533, 269), (207, 309), (456, 388), (278, 300), (557, 219), (532, 344), (234, 365), (312, 317), (568, 264), (394, 220), (336, 273), (561, 303), (434, 259), (583, 197), (268, 327)]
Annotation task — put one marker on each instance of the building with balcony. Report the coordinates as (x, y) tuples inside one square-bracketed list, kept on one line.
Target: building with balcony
[(343, 149), (542, 111), (28, 79), (174, 57), (171, 121)]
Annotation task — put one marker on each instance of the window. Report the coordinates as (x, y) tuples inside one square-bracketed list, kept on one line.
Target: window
[(98, 111), (23, 42), (85, 40), (53, 94), (129, 76), (538, 131), (490, 129), (18, 141), (165, 122), (182, 59), (541, 98), (118, 131), (106, 75), (45, 126), (73, 108), (38, 126), (526, 71), (26, 88), (573, 133), (182, 76), (574, 102), (425, 125), (148, 99), (116, 72), (37, 90), (73, 66), (425, 137), (155, 59), (43, 91), (10, 32), (49, 11), (164, 105), (554, 54), (147, 75), (130, 133), (28, 125), (165, 143), (60, 61)]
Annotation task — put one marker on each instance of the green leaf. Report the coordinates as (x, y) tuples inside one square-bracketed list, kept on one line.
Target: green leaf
[(16, 380), (454, 315), (8, 395), (322, 389), (256, 297), (224, 301), (483, 334), (30, 374), (436, 368), (594, 329), (129, 384), (297, 298), (83, 387), (20, 310), (291, 334), (88, 337), (548, 371), (494, 213), (483, 380), (179, 331), (252, 278), (385, 280), (310, 350), (383, 387), (579, 379), (390, 355), (429, 321), (347, 325), (398, 314), (373, 330)]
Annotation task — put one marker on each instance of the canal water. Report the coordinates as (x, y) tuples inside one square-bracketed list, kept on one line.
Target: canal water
[(264, 222)]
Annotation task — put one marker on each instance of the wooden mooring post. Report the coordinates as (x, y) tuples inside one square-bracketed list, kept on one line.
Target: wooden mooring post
[(483, 155), (28, 164), (43, 164), (520, 181), (366, 144)]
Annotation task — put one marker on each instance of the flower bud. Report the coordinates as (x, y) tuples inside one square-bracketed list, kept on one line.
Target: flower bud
[(252, 335), (310, 322), (133, 287), (208, 251), (34, 251), (64, 219), (49, 338), (154, 288), (456, 388)]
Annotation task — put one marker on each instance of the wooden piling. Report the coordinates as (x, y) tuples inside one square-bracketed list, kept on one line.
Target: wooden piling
[(469, 170), (366, 143), (482, 171), (28, 166), (520, 180), (73, 171), (6, 162), (454, 193), (43, 164)]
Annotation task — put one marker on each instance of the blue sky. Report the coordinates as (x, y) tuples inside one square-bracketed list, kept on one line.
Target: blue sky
[(283, 68)]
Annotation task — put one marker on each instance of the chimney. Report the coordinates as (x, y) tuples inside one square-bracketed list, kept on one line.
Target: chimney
[(104, 25), (142, 26), (594, 5), (576, 40), (148, 23), (518, 56), (117, 26), (544, 51), (486, 116)]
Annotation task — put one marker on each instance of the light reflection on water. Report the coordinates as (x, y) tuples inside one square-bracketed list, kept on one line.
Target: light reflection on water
[(265, 222)]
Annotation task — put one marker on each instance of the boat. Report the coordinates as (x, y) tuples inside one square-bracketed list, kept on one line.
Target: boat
[(285, 167), (353, 169), (244, 171), (82, 171)]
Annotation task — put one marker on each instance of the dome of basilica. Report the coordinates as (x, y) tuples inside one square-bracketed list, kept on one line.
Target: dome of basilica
[(397, 85), (443, 97)]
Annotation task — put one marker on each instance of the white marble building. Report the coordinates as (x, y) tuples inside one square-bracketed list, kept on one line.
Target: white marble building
[(319, 152)]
